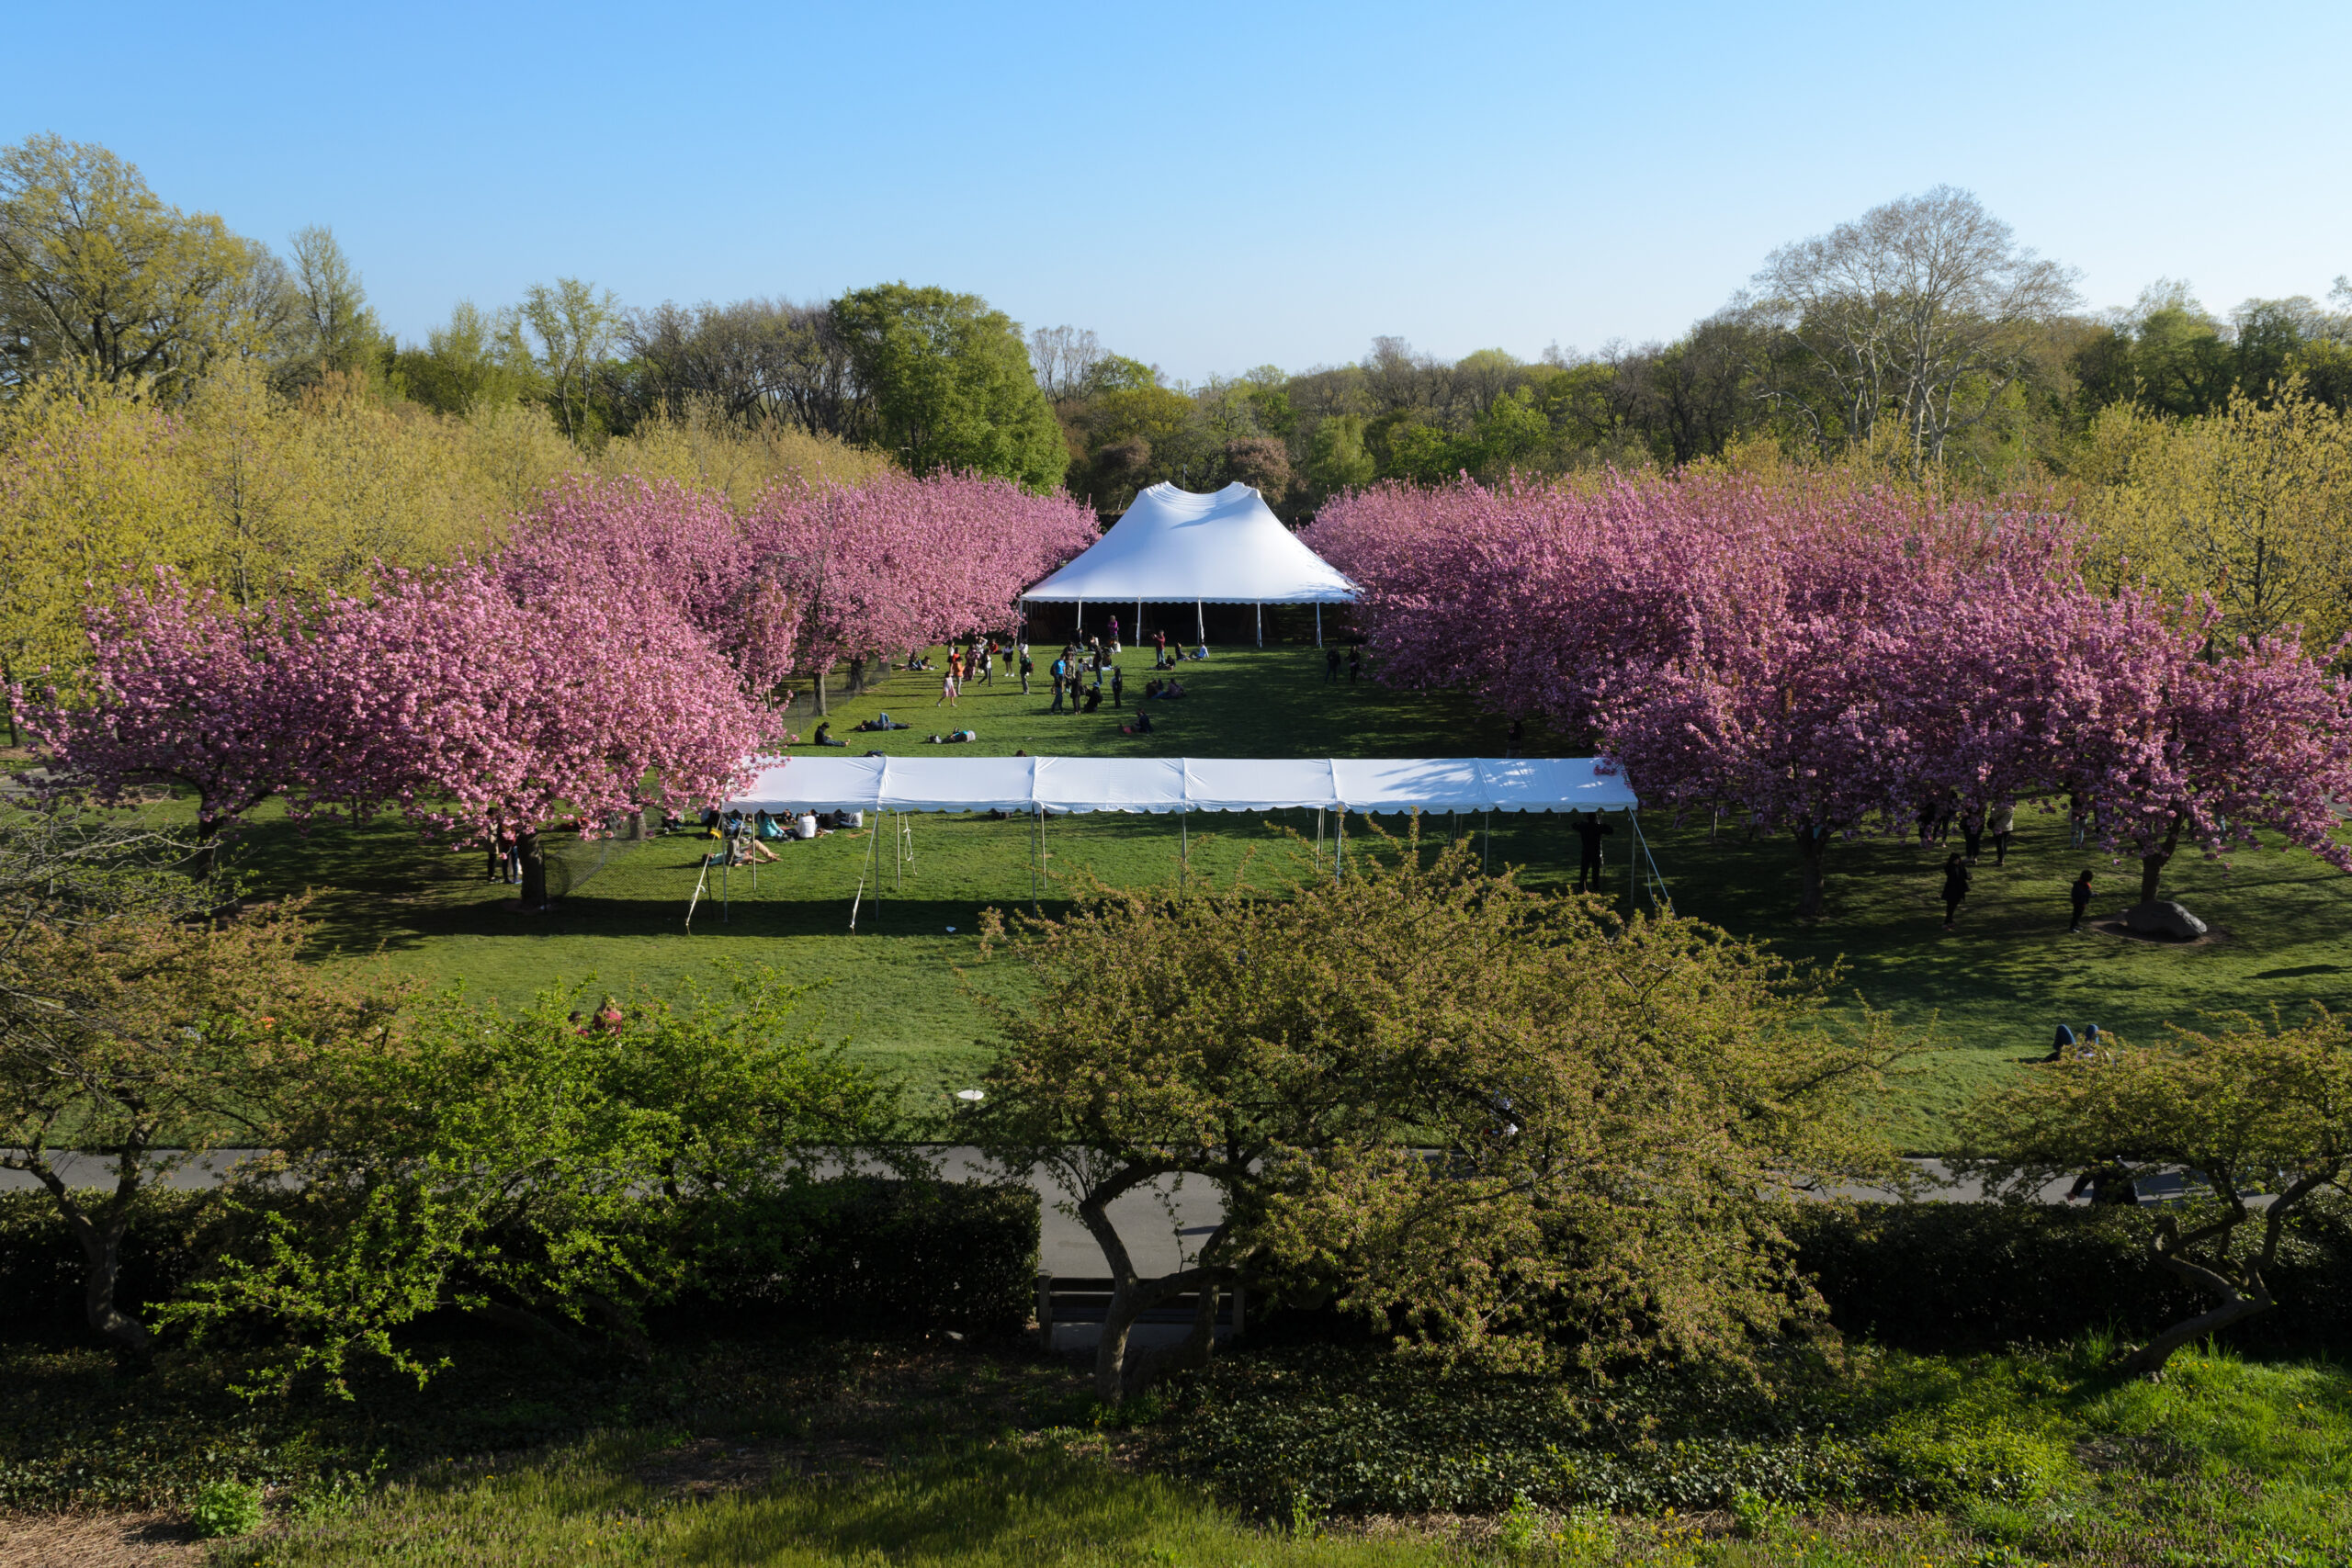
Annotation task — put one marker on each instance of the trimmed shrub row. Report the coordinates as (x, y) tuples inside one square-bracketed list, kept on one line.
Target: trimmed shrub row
[(839, 1253)]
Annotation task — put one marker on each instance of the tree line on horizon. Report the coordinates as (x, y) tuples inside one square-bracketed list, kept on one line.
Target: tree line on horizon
[(173, 392)]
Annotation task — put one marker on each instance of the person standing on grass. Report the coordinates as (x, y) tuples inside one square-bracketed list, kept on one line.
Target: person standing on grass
[(1115, 631), (1516, 741), (1028, 666), (947, 686), (1118, 685), (1588, 833), (1331, 664), (1955, 887), (2080, 893), (1355, 664), (2001, 824), (1972, 831)]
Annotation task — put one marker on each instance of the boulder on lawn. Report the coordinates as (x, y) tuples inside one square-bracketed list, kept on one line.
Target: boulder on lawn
[(2163, 918)]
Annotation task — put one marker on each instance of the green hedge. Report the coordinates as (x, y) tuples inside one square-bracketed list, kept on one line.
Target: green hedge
[(40, 1263), (911, 1254), (851, 1252), (1953, 1276)]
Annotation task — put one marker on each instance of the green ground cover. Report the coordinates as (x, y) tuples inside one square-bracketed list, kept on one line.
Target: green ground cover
[(908, 1451), (906, 989)]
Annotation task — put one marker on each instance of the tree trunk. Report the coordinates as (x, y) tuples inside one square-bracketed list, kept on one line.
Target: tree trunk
[(856, 675), (1813, 848), (2237, 1305), (102, 1260), (2152, 866), (822, 710), (1128, 1304), (534, 870), (207, 849)]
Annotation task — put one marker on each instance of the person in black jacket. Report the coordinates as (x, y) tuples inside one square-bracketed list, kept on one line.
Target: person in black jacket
[(1955, 887), (1588, 866), (2080, 892)]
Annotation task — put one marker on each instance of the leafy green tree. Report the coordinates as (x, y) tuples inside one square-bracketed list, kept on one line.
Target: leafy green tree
[(476, 360), (2250, 1110), (135, 1029), (1336, 458), (573, 323), (338, 332), (951, 384), (97, 272), (548, 1168), (1508, 1119)]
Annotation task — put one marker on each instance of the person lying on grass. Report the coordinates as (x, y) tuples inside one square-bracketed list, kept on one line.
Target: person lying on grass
[(953, 738), (882, 721)]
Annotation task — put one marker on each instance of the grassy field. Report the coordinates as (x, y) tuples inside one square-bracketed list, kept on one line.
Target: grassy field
[(905, 988)]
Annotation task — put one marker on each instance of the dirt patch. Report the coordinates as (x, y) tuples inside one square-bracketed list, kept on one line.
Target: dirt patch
[(98, 1540)]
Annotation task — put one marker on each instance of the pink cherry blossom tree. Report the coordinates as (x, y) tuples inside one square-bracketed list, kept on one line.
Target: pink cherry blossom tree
[(901, 562), (184, 687), (480, 713)]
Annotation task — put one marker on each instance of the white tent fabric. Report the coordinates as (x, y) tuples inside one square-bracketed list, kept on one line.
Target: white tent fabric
[(1080, 784), (1176, 547)]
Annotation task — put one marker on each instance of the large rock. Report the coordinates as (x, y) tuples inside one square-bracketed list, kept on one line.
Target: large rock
[(2163, 918)]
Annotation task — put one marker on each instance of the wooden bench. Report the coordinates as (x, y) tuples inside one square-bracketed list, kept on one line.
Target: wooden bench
[(1070, 1298)]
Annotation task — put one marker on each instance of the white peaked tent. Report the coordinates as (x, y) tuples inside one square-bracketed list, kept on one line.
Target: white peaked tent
[(1173, 547)]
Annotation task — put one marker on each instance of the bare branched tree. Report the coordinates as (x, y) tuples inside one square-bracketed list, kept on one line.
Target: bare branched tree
[(1065, 358), (1921, 314)]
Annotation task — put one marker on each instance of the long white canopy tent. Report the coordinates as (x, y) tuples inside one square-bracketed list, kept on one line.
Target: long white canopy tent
[(1175, 546), (1040, 788)]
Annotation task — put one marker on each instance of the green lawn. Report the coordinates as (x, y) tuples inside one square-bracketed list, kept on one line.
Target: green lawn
[(903, 987)]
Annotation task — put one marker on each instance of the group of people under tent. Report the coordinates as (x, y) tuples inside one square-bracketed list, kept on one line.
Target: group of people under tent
[(747, 838)]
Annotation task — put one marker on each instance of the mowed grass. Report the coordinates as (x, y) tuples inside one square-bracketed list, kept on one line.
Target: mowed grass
[(908, 991)]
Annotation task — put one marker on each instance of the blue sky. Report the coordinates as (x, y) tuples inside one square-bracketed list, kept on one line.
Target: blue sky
[(1213, 186)]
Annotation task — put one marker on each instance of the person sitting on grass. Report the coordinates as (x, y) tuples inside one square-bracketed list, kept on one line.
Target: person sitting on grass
[(1171, 691), (1142, 726), (1200, 653), (1093, 697), (768, 828)]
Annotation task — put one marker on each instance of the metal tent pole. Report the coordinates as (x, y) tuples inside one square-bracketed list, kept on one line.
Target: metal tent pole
[(1036, 852), (1340, 844), (1486, 854), (1261, 625), (699, 883), (1201, 622), (1318, 622), (1183, 846), (874, 856), (1319, 840), (1081, 620), (1137, 638)]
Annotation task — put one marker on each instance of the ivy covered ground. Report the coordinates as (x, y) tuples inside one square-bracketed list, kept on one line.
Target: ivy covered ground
[(904, 988), (929, 1452)]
